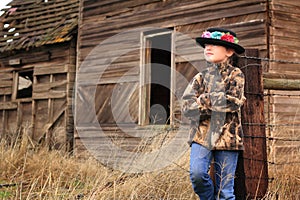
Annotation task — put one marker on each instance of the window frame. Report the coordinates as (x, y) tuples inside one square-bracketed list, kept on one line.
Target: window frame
[(16, 74), (145, 75)]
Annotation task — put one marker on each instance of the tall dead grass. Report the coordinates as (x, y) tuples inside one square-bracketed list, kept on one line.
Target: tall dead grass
[(35, 172)]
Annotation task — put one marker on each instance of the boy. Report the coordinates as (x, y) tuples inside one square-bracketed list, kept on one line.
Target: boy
[(212, 102)]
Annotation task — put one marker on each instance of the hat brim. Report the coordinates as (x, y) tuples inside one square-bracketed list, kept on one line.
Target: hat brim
[(237, 48)]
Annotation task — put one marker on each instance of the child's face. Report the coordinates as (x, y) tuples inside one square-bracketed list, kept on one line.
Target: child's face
[(217, 54)]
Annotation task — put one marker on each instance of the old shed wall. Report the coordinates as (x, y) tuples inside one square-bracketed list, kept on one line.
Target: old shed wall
[(45, 111), (283, 105)]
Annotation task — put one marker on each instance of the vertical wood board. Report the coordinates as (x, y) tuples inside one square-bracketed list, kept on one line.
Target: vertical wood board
[(255, 153)]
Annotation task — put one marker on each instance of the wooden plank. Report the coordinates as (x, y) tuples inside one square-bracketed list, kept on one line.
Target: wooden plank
[(34, 58), (6, 91), (57, 69), (5, 84), (49, 94), (12, 126), (40, 116), (280, 27), (173, 16), (5, 75), (104, 106), (8, 105), (287, 2), (93, 79), (176, 6), (284, 68), (26, 115), (101, 66), (285, 42), (285, 107), (130, 41), (280, 14), (107, 7), (284, 99), (44, 87), (281, 152), (2, 122), (281, 84), (111, 80), (50, 123)]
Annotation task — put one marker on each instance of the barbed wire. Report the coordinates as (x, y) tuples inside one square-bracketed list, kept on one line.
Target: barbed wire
[(268, 125), (270, 60), (277, 94)]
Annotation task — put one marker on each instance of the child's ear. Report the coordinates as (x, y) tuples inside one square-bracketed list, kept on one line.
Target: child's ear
[(229, 52)]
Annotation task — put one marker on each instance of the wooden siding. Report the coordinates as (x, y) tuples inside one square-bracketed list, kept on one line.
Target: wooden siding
[(39, 36), (284, 36), (47, 114), (283, 106), (101, 20)]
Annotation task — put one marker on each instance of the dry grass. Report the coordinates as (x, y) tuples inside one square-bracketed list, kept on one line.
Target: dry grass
[(286, 183), (37, 173)]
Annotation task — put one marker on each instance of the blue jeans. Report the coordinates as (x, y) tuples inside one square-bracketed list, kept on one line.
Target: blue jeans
[(225, 163)]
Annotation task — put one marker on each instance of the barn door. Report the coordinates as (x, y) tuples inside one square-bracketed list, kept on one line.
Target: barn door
[(156, 75)]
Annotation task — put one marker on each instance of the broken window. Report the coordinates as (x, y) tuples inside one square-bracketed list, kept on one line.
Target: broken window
[(24, 84)]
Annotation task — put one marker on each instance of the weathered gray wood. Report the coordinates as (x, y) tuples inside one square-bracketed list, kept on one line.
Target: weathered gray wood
[(8, 105), (49, 94), (281, 81), (44, 87), (281, 84)]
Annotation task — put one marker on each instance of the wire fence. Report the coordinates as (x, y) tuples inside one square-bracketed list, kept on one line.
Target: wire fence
[(282, 135), (271, 60)]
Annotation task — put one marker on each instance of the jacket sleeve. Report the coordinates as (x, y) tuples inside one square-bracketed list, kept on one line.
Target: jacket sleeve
[(231, 98), (190, 108)]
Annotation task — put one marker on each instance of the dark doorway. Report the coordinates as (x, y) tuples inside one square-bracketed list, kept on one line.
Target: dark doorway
[(160, 79)]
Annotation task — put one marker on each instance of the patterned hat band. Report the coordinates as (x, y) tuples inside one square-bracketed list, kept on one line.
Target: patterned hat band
[(220, 36)]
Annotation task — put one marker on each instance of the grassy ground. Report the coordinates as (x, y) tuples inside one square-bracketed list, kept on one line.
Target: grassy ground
[(37, 173)]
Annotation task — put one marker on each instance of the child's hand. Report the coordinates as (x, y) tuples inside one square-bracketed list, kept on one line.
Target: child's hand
[(203, 100)]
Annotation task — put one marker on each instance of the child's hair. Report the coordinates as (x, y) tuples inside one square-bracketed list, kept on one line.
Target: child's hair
[(234, 60)]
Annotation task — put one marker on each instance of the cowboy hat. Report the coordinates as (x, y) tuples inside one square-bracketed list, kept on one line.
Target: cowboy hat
[(221, 37)]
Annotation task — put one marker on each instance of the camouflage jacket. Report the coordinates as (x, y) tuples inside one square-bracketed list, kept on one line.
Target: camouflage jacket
[(215, 119)]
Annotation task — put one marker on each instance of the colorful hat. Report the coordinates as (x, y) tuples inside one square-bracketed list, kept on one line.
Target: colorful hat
[(222, 37)]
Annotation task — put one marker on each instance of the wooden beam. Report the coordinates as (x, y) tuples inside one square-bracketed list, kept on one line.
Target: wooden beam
[(252, 169), (8, 105), (274, 81)]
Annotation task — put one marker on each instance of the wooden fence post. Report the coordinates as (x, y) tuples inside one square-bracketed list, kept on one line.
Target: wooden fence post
[(252, 170)]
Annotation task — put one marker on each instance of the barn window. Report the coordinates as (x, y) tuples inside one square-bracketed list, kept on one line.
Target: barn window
[(23, 84), (155, 92)]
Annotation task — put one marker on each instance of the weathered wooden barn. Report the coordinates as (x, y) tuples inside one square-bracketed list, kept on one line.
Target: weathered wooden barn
[(117, 42), (118, 39), (37, 69)]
